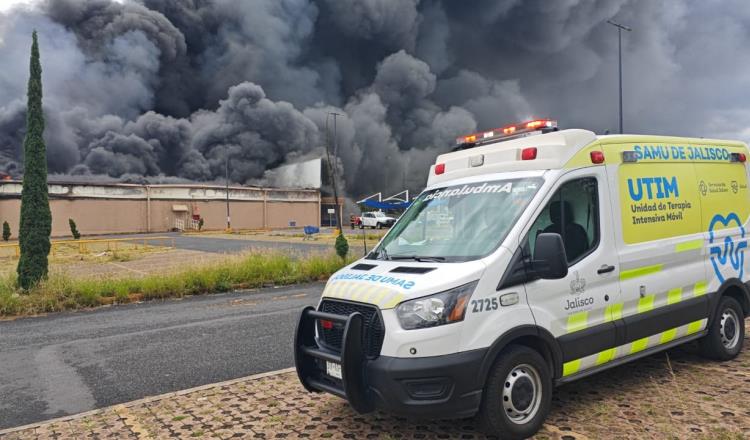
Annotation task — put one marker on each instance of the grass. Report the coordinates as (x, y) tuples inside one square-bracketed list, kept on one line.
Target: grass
[(61, 292)]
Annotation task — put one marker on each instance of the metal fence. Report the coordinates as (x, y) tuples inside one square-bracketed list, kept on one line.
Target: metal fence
[(87, 246)]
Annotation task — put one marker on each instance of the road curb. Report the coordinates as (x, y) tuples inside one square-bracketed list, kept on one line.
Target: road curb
[(148, 399)]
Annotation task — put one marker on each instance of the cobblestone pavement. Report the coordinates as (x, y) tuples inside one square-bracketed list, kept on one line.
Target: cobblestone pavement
[(669, 395)]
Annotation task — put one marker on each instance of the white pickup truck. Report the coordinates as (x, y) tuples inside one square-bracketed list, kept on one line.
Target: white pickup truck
[(376, 219)]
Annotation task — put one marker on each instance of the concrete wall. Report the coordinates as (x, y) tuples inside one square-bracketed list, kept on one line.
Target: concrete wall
[(116, 209)]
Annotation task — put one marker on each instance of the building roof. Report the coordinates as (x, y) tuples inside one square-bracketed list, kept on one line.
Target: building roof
[(12, 189)]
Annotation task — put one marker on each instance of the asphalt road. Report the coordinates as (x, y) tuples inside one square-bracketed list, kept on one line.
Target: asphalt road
[(71, 362)]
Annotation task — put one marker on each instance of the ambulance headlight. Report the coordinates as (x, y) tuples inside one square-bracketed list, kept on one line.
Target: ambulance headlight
[(438, 309)]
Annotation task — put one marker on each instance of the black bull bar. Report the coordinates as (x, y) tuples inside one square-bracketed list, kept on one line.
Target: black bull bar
[(352, 358)]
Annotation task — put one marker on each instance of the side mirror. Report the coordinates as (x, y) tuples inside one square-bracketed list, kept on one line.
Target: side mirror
[(550, 261)]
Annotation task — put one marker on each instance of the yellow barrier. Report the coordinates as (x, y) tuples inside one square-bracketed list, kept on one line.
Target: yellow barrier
[(112, 244)]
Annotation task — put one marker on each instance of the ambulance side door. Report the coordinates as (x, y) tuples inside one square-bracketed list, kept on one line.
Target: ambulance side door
[(662, 248), (577, 309)]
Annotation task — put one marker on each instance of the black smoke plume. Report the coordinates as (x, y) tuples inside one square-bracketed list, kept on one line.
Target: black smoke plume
[(169, 89)]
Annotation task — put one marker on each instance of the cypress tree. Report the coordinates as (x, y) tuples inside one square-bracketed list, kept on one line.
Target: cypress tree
[(341, 246), (36, 219)]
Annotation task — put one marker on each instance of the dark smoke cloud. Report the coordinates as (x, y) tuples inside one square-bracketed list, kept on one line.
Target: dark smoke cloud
[(255, 132), (164, 90)]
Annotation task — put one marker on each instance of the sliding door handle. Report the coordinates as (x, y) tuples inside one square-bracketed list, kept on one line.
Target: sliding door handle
[(605, 269)]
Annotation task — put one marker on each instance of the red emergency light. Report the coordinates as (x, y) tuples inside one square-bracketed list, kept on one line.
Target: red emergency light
[(597, 157), (528, 153), (508, 131)]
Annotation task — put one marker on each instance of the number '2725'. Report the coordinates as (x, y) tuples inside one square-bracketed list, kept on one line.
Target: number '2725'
[(484, 305)]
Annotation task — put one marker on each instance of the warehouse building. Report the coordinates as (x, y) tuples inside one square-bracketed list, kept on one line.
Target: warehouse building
[(107, 208)]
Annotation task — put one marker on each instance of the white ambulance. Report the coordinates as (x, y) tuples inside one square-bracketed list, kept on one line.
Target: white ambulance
[(533, 258)]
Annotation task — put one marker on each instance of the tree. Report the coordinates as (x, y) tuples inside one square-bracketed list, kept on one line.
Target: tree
[(36, 219), (6, 231), (74, 229), (342, 246)]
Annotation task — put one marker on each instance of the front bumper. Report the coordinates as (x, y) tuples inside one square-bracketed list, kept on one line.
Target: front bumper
[(446, 386)]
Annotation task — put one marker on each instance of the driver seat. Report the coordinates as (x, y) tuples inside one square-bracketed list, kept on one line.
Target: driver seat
[(574, 236)]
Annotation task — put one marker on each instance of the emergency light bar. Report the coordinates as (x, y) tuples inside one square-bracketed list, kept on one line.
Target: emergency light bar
[(509, 131)]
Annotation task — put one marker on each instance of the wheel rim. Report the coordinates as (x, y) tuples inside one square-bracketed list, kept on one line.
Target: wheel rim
[(730, 331), (522, 392)]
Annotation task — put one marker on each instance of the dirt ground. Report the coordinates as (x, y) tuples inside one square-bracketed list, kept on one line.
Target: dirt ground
[(131, 258), (131, 263), (673, 395)]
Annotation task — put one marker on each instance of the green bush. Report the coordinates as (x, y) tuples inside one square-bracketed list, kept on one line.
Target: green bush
[(342, 246), (74, 229), (200, 224), (6, 231)]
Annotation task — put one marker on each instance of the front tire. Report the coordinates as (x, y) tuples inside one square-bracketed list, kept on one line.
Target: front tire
[(518, 394), (379, 226), (727, 332)]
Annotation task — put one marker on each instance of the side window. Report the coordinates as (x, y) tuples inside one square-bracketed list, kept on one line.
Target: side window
[(573, 212)]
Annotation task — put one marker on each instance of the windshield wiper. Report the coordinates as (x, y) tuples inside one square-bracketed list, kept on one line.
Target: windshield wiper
[(416, 258)]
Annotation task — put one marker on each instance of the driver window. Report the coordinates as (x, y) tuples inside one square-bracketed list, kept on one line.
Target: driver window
[(573, 212)]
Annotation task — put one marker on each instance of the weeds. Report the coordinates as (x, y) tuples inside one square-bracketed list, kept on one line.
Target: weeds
[(62, 292), (121, 257), (722, 434)]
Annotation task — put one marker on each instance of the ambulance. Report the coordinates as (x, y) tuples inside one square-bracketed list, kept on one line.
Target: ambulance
[(533, 258)]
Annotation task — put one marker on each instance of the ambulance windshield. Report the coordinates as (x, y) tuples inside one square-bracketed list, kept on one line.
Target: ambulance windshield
[(458, 223)]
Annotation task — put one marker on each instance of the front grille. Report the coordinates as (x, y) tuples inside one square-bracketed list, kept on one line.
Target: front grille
[(373, 332)]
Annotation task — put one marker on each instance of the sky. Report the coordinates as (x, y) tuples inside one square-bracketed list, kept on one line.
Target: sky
[(7, 4), (168, 89)]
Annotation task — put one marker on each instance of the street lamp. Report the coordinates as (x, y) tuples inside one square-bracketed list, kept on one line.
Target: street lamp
[(620, 28), (226, 170), (331, 169)]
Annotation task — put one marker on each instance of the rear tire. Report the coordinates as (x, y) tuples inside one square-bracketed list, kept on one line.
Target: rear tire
[(518, 394), (727, 332)]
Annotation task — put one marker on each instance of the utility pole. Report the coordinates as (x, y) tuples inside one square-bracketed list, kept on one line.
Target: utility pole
[(331, 170), (620, 28), (226, 169)]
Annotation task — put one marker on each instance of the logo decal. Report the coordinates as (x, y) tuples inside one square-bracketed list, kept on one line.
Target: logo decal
[(703, 188), (578, 285), (727, 255)]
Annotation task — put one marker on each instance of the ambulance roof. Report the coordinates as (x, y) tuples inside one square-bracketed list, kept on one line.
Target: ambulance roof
[(553, 150)]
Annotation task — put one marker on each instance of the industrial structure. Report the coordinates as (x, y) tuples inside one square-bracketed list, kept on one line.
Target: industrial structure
[(107, 208)]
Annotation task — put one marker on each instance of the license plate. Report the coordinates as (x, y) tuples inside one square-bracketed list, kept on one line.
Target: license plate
[(333, 369)]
